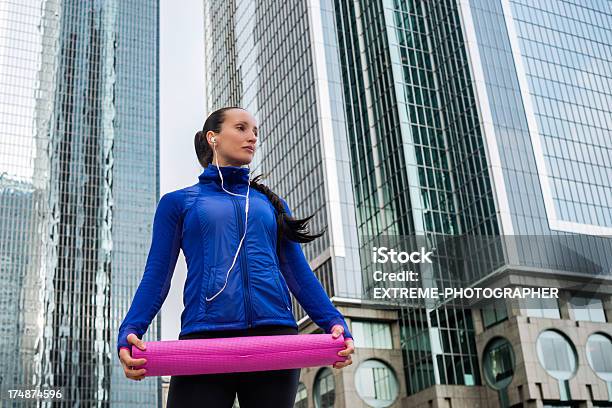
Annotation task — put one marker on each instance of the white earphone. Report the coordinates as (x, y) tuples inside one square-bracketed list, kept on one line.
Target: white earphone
[(246, 220)]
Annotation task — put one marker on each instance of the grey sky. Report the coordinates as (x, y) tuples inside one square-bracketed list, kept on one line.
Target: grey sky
[(182, 113)]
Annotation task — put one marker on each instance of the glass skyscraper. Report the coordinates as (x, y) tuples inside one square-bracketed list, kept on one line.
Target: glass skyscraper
[(487, 119), (79, 171)]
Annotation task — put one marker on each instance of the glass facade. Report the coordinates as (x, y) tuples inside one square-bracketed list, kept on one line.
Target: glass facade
[(513, 138), (411, 117), (566, 52), (546, 72), (418, 168), (442, 145), (78, 187)]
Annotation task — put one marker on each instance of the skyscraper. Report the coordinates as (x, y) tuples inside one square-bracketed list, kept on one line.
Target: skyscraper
[(437, 119), (79, 174)]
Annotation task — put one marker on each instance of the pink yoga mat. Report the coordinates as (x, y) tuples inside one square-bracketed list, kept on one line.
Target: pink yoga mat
[(239, 354)]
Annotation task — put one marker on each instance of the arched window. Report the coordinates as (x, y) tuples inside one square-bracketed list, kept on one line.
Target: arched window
[(324, 389), (301, 397), (376, 383), (498, 362), (556, 355), (599, 354)]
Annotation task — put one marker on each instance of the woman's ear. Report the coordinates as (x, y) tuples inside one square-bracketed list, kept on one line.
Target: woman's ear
[(212, 139)]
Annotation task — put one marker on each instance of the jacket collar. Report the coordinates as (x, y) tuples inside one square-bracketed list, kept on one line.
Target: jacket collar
[(231, 174)]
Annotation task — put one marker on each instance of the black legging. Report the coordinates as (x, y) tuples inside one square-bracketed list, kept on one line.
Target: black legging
[(261, 389)]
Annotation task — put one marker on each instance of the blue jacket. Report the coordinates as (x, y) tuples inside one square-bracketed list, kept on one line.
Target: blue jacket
[(207, 224)]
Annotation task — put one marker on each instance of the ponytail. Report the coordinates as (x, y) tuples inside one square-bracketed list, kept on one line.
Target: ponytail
[(294, 229)]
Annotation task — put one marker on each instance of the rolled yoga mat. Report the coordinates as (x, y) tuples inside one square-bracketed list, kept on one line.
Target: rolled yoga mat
[(239, 354)]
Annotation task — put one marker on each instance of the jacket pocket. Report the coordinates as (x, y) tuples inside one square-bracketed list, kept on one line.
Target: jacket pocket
[(268, 298), (228, 304), (282, 289)]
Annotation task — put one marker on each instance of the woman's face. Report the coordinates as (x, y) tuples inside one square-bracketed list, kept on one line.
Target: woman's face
[(235, 144)]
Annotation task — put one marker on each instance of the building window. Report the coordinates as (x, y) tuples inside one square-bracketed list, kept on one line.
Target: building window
[(556, 354), (494, 313), (588, 309), (540, 307), (324, 389), (498, 361), (599, 354), (372, 334), (376, 383), (301, 397)]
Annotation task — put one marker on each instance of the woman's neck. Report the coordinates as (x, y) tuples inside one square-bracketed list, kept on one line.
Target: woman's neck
[(224, 163)]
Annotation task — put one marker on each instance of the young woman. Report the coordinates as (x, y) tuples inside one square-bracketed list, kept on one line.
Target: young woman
[(242, 247)]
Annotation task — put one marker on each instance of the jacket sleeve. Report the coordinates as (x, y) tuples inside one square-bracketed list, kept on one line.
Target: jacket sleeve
[(159, 268), (306, 287)]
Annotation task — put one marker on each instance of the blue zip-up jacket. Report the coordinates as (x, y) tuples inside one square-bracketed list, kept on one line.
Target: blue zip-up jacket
[(207, 224)]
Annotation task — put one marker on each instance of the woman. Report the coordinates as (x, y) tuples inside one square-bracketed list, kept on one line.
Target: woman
[(241, 244)]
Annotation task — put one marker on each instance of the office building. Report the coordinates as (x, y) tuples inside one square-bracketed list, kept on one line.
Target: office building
[(488, 119), (79, 177)]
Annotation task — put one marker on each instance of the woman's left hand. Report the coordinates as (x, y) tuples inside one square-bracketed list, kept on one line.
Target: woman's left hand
[(337, 330)]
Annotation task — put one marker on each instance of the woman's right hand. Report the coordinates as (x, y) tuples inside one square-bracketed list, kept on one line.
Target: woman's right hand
[(130, 365)]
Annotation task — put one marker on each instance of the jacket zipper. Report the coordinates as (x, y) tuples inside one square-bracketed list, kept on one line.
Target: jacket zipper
[(243, 267)]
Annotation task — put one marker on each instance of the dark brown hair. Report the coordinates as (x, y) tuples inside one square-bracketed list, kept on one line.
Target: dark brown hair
[(294, 229)]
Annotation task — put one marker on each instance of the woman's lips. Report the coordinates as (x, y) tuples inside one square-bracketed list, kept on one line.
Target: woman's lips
[(250, 149)]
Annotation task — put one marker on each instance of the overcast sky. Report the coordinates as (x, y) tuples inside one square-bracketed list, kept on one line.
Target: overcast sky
[(182, 113)]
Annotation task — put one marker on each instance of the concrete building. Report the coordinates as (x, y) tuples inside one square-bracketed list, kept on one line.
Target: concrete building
[(79, 174), (483, 119)]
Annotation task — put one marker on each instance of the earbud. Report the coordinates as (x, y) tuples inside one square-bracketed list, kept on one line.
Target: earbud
[(213, 139)]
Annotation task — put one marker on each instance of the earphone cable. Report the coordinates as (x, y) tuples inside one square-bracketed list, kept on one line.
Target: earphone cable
[(245, 221)]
